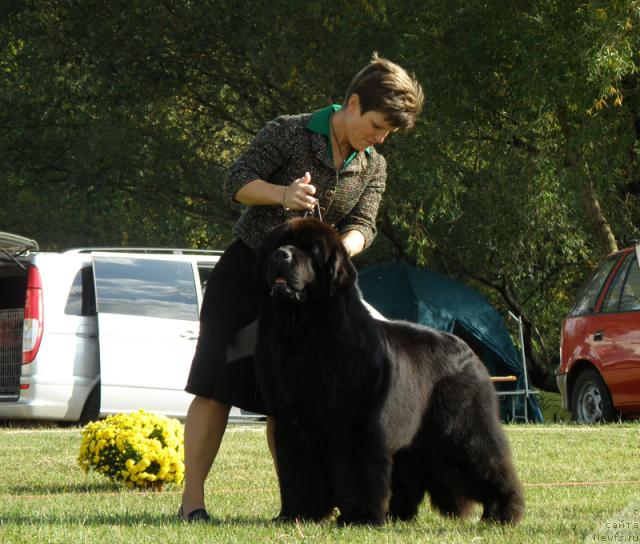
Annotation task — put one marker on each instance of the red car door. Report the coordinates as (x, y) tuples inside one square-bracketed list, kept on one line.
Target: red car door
[(616, 336)]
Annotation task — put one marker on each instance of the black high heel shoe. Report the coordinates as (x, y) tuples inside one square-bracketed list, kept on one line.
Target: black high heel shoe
[(199, 514)]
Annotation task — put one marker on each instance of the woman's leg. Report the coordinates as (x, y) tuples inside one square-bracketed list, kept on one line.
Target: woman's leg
[(203, 431), (231, 301), (271, 440)]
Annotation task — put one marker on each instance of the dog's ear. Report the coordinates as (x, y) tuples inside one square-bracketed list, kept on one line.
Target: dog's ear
[(271, 242), (342, 272)]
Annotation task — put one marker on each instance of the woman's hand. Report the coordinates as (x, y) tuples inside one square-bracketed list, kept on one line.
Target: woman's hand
[(299, 195)]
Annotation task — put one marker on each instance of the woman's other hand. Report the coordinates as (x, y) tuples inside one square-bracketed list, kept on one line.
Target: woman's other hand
[(299, 195)]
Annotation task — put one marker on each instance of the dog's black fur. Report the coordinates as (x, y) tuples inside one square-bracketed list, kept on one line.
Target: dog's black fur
[(370, 414)]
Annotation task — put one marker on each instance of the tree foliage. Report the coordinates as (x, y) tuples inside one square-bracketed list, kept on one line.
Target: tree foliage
[(118, 122)]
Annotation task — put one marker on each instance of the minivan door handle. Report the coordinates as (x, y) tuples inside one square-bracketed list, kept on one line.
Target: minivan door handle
[(598, 336)]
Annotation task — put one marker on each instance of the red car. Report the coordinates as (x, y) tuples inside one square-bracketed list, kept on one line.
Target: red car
[(599, 373)]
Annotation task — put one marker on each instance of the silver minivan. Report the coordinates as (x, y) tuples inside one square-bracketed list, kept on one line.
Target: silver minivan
[(90, 332)]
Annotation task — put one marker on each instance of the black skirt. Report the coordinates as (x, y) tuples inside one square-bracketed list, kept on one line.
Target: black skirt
[(231, 302)]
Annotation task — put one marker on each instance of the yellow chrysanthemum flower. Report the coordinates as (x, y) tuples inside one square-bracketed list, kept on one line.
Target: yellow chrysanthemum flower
[(138, 449)]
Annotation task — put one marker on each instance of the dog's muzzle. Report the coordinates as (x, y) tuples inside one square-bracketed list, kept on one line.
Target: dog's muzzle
[(281, 286)]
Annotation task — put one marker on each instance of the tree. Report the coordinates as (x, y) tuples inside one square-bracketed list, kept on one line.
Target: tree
[(526, 164), (521, 174)]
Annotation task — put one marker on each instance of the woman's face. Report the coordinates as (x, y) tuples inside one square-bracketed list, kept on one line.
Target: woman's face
[(366, 129)]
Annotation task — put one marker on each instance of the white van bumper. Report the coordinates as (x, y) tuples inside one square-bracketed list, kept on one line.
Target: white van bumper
[(42, 399)]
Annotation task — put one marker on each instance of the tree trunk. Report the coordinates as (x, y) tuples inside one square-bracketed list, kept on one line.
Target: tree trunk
[(540, 372), (600, 225), (574, 161)]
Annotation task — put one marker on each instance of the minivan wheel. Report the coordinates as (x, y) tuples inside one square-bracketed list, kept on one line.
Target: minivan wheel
[(591, 401), (91, 409)]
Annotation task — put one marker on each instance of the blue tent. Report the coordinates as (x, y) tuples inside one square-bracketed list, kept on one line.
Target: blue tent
[(401, 291)]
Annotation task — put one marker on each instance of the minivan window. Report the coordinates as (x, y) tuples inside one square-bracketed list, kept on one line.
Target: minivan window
[(81, 299), (146, 287), (204, 271), (587, 300)]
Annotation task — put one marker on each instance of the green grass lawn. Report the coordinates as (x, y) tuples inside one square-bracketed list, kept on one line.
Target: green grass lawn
[(576, 479)]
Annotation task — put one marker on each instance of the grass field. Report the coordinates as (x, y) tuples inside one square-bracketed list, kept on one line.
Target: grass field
[(576, 480)]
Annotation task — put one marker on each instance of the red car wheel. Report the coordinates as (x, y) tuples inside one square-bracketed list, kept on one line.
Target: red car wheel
[(591, 400)]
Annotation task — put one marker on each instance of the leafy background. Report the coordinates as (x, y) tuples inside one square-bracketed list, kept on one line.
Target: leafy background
[(119, 120)]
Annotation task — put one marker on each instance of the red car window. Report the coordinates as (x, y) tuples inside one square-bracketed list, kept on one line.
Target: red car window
[(587, 300), (612, 300), (630, 299)]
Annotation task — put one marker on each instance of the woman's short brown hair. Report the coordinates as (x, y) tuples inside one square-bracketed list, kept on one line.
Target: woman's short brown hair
[(386, 87)]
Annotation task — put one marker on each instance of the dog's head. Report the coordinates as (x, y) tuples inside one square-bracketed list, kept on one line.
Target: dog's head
[(304, 259)]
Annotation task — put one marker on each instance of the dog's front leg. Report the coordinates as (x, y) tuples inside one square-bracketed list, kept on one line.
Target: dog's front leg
[(304, 485), (362, 480)]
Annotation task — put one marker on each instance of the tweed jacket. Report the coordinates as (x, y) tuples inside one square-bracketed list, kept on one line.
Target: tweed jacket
[(284, 150)]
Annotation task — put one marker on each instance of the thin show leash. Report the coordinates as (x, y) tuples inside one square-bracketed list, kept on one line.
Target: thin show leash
[(316, 208), (308, 212)]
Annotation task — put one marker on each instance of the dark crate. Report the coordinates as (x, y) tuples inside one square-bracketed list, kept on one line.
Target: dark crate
[(11, 322)]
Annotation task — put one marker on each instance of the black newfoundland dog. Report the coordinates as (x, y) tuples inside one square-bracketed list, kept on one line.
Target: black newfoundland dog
[(370, 414)]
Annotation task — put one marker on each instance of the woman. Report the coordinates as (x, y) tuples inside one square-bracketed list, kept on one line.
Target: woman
[(323, 163)]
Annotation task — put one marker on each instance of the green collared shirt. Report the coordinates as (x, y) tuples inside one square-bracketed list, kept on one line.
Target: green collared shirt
[(320, 123)]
